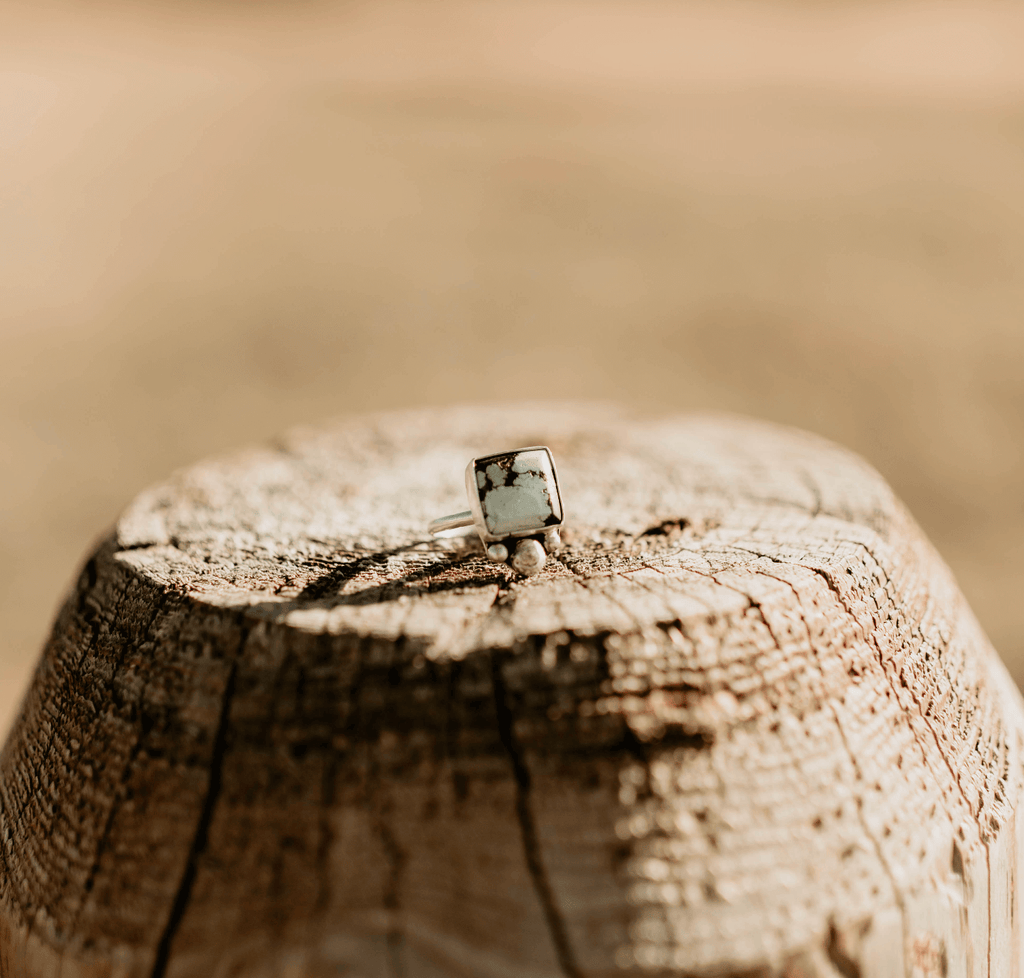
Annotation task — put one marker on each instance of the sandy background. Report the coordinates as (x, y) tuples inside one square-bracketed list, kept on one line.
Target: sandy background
[(216, 221)]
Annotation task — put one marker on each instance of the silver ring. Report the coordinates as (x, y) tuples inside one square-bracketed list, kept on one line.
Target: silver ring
[(513, 499)]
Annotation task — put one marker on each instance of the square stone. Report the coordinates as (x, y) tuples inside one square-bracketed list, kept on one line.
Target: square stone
[(518, 492)]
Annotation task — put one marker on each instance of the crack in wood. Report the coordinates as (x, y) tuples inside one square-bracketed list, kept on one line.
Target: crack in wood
[(872, 638), (837, 956), (880, 855), (528, 827), (200, 839), (983, 834)]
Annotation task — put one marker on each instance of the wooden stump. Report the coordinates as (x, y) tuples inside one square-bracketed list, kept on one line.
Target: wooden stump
[(744, 724)]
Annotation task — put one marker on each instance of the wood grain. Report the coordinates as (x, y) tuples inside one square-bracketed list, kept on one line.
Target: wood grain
[(744, 724)]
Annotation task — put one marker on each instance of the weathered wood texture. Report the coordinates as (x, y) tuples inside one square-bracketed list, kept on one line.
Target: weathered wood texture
[(744, 724)]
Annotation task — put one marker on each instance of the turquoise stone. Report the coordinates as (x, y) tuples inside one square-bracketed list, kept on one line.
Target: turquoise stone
[(518, 492)]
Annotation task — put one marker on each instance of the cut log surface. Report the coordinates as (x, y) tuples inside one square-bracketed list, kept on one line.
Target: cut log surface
[(742, 724)]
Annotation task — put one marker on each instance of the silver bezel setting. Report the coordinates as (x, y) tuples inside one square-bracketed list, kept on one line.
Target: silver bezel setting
[(476, 503)]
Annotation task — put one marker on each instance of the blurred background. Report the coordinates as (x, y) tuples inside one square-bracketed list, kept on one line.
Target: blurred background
[(217, 220)]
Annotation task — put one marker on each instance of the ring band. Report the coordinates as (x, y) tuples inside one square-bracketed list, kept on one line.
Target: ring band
[(452, 522)]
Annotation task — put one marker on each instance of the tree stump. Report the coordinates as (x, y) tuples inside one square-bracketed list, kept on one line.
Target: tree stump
[(744, 724)]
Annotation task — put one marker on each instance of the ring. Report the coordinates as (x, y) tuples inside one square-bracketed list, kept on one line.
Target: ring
[(513, 498)]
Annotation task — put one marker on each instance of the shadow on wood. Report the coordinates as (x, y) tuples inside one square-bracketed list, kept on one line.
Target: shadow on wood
[(742, 724)]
